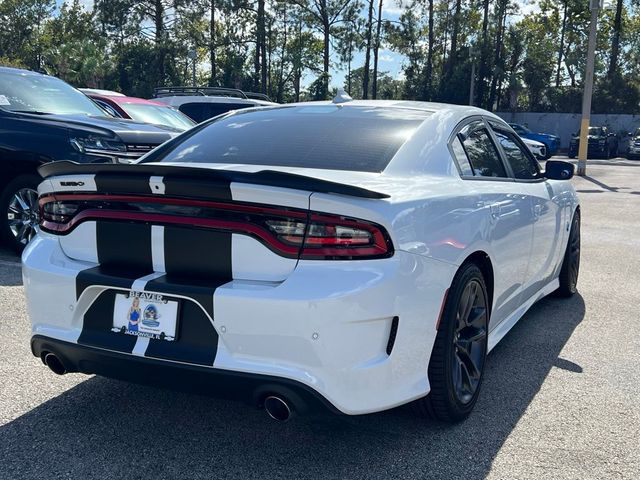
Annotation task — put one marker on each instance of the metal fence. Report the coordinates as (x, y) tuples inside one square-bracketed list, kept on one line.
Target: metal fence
[(566, 124)]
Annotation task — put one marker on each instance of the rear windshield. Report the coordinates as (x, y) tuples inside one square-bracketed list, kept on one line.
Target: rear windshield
[(328, 137)]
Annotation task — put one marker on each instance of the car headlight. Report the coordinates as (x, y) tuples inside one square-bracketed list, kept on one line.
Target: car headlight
[(97, 145)]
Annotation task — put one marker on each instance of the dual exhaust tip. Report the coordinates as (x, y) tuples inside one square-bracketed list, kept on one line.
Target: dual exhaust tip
[(54, 363), (276, 407)]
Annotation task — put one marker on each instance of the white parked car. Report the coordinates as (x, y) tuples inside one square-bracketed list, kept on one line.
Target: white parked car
[(538, 149), (356, 256)]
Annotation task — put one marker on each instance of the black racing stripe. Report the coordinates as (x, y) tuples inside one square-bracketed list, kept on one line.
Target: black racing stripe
[(97, 324), (200, 291), (197, 253), (123, 183), (211, 189), (124, 254), (101, 275), (197, 339), (124, 245), (197, 262)]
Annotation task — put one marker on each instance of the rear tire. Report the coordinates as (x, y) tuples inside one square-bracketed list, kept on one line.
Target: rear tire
[(571, 261), (457, 362), (19, 211)]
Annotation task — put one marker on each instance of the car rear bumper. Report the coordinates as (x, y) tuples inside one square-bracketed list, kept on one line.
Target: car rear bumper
[(328, 327), (246, 387)]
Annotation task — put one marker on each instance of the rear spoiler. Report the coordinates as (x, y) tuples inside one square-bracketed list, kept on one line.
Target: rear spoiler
[(271, 178)]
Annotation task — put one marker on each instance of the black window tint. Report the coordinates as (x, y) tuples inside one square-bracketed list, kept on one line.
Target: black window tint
[(481, 151), (199, 112), (461, 158), (522, 164), (323, 136), (108, 108)]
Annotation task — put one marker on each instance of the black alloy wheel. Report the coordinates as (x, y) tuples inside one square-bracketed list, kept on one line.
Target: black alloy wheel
[(457, 361), (19, 210), (470, 341), (571, 261)]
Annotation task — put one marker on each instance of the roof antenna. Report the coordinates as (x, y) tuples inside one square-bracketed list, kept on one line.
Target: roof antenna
[(341, 97)]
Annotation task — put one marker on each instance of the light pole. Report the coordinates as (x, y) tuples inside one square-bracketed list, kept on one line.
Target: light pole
[(193, 55), (595, 6)]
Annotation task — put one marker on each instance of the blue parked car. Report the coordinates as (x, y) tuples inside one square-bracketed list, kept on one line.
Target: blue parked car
[(552, 142)]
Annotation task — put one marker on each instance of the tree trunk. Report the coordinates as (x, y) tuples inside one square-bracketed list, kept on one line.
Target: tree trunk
[(367, 54), (484, 52), (259, 64), (212, 43), (283, 51), (502, 16), (297, 69), (561, 47), (428, 74), (454, 40), (325, 55), (376, 48), (350, 55), (615, 42), (159, 40)]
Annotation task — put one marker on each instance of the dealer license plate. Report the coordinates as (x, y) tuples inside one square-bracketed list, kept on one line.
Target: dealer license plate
[(145, 314)]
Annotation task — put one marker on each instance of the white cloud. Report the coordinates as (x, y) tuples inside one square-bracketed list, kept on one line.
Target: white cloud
[(386, 58), (395, 7)]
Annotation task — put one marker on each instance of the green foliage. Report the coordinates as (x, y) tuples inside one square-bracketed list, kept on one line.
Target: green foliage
[(514, 61)]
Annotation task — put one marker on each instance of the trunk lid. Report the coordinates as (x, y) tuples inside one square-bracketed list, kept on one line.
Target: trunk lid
[(188, 223)]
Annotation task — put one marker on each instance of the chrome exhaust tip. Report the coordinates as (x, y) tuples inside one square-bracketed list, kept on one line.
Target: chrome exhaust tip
[(278, 408), (54, 364)]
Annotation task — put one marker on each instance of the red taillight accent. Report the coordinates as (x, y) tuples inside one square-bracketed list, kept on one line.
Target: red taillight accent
[(333, 236), (288, 232)]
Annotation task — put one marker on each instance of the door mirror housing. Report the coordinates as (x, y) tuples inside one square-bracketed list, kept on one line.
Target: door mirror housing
[(559, 170)]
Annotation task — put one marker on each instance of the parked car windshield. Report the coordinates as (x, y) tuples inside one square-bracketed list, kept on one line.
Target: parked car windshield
[(21, 92), (325, 136), (159, 115), (520, 129)]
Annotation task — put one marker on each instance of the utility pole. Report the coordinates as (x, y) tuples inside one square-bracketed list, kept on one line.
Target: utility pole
[(595, 6), (193, 55)]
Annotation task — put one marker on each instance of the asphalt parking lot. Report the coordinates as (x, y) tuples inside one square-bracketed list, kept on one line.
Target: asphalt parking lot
[(560, 398)]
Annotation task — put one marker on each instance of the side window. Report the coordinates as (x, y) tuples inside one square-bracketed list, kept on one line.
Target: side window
[(108, 108), (522, 164), (194, 111), (480, 150), (461, 157), (200, 112)]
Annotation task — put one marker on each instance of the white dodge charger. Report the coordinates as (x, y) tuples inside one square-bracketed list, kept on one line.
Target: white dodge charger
[(349, 255)]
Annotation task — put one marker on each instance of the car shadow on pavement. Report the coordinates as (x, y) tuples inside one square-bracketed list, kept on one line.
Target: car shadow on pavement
[(10, 274), (107, 429)]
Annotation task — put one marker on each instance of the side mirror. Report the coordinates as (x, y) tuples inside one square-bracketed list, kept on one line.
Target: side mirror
[(559, 170)]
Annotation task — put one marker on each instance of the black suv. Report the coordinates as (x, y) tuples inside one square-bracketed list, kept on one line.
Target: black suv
[(43, 119), (601, 143), (203, 103)]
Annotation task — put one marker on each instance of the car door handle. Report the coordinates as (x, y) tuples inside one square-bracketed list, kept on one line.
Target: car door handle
[(537, 210), (494, 210)]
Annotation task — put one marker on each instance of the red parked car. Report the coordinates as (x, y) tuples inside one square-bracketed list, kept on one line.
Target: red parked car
[(139, 109)]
